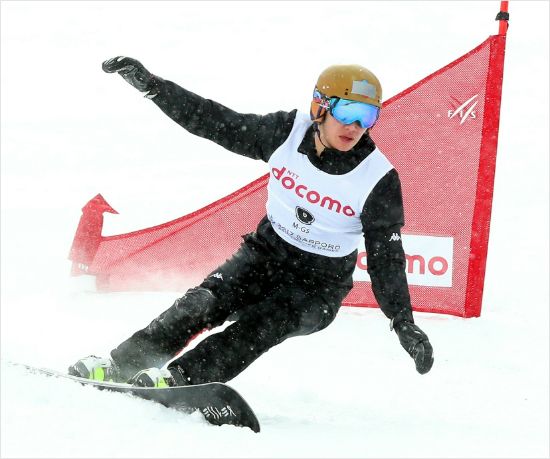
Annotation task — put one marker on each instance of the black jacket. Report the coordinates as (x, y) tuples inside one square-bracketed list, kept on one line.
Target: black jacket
[(258, 136)]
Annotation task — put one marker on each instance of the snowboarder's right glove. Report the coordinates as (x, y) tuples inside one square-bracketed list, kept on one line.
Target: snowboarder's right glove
[(416, 343), (133, 72)]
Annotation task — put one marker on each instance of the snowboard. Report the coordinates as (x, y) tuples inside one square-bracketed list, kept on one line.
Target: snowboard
[(219, 403)]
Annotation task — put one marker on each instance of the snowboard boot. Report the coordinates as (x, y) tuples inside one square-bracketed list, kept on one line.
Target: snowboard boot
[(96, 368), (160, 377), (153, 377)]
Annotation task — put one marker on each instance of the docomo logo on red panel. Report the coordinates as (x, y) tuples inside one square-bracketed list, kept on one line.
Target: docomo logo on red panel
[(290, 182), (429, 261)]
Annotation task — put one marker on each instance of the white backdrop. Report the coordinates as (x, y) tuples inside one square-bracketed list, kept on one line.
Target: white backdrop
[(69, 131)]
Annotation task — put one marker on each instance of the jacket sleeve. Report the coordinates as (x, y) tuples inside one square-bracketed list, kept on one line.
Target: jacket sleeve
[(382, 219), (250, 135)]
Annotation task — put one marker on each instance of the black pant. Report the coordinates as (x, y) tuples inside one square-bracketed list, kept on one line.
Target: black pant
[(272, 291)]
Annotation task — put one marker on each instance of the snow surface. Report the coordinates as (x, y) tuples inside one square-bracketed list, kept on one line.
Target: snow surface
[(70, 131)]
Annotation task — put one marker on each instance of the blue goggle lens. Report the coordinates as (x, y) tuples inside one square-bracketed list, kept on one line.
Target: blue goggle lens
[(349, 111)]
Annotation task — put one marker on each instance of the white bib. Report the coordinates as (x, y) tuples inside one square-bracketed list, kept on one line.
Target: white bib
[(313, 210)]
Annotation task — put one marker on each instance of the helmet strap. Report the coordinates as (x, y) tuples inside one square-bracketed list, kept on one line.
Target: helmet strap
[(317, 132)]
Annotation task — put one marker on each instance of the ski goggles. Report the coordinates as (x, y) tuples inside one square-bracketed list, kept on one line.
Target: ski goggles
[(346, 111), (350, 111)]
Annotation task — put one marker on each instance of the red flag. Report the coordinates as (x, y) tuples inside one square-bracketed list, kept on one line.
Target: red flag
[(440, 134)]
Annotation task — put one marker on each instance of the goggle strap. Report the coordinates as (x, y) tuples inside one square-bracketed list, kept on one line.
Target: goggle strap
[(320, 111)]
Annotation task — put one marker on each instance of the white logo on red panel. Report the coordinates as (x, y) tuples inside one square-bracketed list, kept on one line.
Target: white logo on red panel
[(465, 110)]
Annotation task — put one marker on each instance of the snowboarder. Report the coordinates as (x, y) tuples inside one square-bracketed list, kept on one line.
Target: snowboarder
[(329, 185)]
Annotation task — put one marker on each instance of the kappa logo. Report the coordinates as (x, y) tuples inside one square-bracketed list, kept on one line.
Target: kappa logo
[(395, 237), (465, 110)]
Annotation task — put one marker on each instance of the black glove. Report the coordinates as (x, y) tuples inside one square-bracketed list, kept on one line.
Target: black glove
[(417, 344), (132, 71)]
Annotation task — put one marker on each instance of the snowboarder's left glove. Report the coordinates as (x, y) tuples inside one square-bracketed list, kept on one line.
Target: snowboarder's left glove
[(132, 71), (416, 343)]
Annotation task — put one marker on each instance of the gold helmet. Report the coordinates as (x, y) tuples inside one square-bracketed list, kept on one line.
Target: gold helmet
[(352, 82)]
